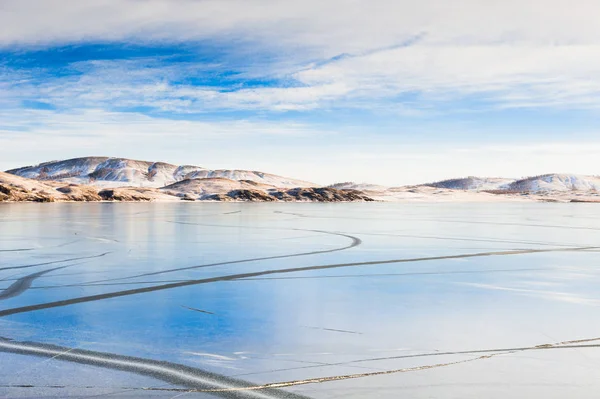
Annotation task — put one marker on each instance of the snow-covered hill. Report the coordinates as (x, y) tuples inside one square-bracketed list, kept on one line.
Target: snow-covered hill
[(555, 182), (14, 188), (118, 172), (473, 183), (358, 186), (201, 188), (223, 189)]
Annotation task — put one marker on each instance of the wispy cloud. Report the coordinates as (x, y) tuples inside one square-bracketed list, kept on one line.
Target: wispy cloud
[(96, 123), (498, 77), (33, 135), (511, 55), (507, 75)]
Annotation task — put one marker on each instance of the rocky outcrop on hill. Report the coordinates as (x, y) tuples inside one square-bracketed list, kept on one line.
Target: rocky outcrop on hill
[(324, 194), (17, 194), (18, 189), (294, 195), (75, 192)]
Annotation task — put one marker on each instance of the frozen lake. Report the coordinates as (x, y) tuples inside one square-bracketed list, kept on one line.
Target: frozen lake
[(357, 300)]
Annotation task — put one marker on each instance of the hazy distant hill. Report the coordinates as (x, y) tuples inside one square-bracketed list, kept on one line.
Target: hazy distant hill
[(556, 182), (472, 183), (537, 184), (358, 186)]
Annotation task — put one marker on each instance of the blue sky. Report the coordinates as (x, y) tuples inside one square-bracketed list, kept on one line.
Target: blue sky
[(388, 92)]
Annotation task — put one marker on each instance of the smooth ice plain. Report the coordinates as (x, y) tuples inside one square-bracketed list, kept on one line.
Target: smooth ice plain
[(299, 300)]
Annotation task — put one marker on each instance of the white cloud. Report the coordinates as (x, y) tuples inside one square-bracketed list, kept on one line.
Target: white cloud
[(335, 24), (95, 123), (500, 77), (525, 53), (508, 75)]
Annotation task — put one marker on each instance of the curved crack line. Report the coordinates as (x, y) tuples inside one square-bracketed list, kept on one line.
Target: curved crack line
[(38, 248), (449, 221), (29, 386), (135, 291), (193, 378), (432, 354), (86, 387), (355, 242), (490, 240), (491, 353), (313, 277), (400, 274), (319, 380), (24, 283), (53, 262), (12, 276), (551, 226), (196, 309)]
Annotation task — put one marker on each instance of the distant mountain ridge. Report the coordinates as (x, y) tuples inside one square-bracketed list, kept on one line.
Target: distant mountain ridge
[(552, 182), (123, 179), (556, 182), (472, 183), (119, 172)]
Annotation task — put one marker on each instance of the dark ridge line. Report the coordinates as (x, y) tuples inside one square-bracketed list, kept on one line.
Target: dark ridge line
[(204, 242), (159, 389), (196, 310), (53, 262), (447, 238), (12, 278), (488, 355), (92, 298), (64, 244), (23, 284), (355, 242), (333, 330), (101, 239), (173, 373), (44, 287), (399, 274), (319, 277), (491, 240), (300, 215), (33, 249), (430, 354), (512, 224), (453, 221)]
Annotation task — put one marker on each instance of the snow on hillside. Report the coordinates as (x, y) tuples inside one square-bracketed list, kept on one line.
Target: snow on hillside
[(556, 182), (118, 172), (25, 184), (184, 171), (535, 184), (201, 187), (55, 170), (259, 177), (472, 183), (358, 186)]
